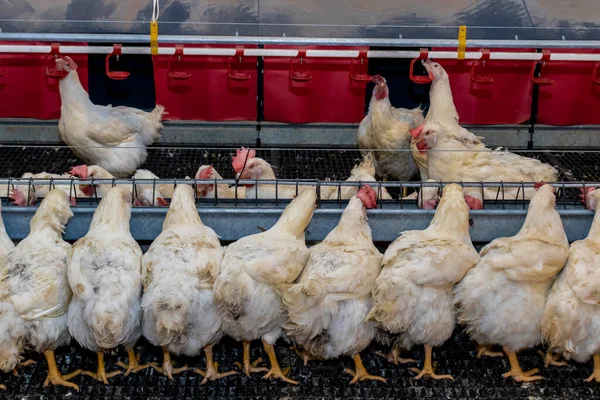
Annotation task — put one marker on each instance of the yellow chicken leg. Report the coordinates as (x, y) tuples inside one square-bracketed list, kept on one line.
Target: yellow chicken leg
[(428, 369), (54, 375), (596, 374), (167, 366), (22, 365), (551, 359), (361, 373), (249, 367), (484, 350), (275, 372), (212, 368), (394, 356), (305, 355), (515, 369), (2, 387), (101, 374), (134, 365)]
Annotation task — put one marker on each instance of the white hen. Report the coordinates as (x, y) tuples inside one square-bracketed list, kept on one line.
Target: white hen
[(252, 271), (151, 195), (364, 172), (501, 300), (114, 138), (179, 272), (97, 190), (571, 319), (330, 300), (6, 245), (105, 276), (413, 294), (35, 291), (207, 191)]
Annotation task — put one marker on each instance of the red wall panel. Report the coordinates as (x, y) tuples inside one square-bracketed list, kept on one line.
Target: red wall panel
[(507, 100), (328, 96), (25, 89), (208, 93), (573, 98)]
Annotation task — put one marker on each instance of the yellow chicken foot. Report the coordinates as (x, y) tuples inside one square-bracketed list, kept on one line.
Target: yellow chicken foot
[(551, 359), (2, 387), (212, 368), (484, 350), (101, 374), (275, 372), (428, 369), (134, 365), (515, 369), (54, 375), (394, 356), (167, 366), (595, 376), (250, 367), (22, 365), (305, 355), (361, 373)]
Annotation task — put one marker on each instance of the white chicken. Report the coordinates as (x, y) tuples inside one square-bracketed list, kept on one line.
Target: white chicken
[(252, 272), (456, 155), (6, 245), (114, 138), (150, 195), (328, 303), (179, 272), (207, 191), (26, 195), (571, 319), (501, 300), (386, 129), (97, 190), (35, 293), (249, 167), (364, 172), (427, 197), (413, 293), (105, 276)]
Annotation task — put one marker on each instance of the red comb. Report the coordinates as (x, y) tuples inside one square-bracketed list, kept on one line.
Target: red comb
[(415, 132), (206, 173), (378, 79), (538, 185), (240, 158), (80, 171)]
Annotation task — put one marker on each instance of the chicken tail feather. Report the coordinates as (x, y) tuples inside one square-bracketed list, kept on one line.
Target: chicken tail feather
[(107, 321), (172, 312)]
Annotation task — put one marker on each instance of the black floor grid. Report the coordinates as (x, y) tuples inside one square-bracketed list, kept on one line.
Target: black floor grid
[(473, 378)]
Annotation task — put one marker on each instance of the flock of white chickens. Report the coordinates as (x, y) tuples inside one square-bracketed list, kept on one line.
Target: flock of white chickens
[(332, 299)]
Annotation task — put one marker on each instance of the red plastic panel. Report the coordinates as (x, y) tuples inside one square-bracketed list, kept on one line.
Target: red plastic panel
[(506, 100), (573, 98), (26, 90), (328, 96), (204, 88)]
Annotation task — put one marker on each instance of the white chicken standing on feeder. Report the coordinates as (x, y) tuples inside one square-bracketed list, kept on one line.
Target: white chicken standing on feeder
[(106, 278), (179, 270), (35, 293), (114, 138), (329, 302), (253, 270), (501, 300), (571, 319)]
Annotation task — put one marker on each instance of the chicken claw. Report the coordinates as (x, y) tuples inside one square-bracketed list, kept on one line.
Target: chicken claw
[(595, 376), (212, 368), (22, 365), (249, 367), (485, 351), (305, 356), (428, 369), (167, 367), (101, 374), (54, 375), (551, 359), (134, 365), (361, 373), (394, 357), (515, 369), (2, 387), (275, 372)]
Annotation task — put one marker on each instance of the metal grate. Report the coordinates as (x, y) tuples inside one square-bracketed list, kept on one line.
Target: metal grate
[(474, 378)]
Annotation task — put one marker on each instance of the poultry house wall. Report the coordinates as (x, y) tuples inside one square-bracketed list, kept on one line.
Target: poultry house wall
[(325, 90)]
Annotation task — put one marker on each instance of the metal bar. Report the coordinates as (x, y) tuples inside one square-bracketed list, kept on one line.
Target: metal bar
[(472, 55), (233, 223), (257, 40)]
